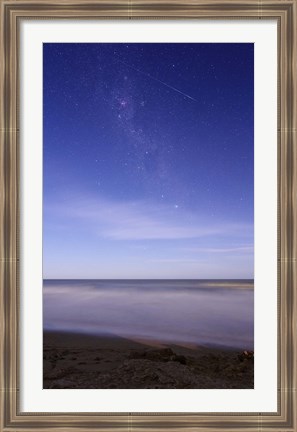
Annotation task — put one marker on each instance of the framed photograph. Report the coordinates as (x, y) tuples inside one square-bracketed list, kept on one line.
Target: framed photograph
[(148, 208)]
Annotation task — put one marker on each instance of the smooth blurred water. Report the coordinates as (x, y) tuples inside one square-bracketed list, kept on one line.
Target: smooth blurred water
[(207, 312)]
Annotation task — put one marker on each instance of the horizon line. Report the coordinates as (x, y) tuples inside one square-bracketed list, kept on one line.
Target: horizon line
[(145, 279)]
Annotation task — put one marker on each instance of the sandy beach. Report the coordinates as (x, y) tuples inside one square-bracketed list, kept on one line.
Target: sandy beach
[(78, 361)]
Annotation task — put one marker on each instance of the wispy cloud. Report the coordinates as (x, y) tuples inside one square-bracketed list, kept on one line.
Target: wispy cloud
[(176, 261), (241, 249), (141, 220)]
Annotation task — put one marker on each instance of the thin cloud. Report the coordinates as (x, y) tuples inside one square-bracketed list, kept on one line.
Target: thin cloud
[(176, 260), (140, 220), (247, 249)]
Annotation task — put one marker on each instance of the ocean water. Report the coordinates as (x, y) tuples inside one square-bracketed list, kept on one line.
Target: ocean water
[(203, 312)]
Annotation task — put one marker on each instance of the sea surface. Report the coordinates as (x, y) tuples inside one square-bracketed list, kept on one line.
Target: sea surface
[(203, 312)]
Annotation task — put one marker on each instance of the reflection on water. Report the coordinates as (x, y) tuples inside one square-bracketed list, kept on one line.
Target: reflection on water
[(209, 312)]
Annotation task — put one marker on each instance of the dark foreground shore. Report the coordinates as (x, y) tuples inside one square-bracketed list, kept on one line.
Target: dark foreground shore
[(75, 361)]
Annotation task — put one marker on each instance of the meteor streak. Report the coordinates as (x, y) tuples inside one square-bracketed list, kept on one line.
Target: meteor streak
[(157, 80)]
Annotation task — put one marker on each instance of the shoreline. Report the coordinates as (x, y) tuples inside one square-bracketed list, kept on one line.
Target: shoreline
[(82, 361)]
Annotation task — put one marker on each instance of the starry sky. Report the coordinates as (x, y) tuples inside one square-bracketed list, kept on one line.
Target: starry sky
[(148, 161)]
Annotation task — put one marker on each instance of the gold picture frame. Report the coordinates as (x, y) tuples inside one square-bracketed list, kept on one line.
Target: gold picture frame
[(285, 12)]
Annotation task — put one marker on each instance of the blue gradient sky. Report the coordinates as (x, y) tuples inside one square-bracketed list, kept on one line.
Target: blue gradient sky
[(148, 161)]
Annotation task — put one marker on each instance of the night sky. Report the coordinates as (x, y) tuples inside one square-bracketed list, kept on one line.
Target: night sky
[(148, 168)]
